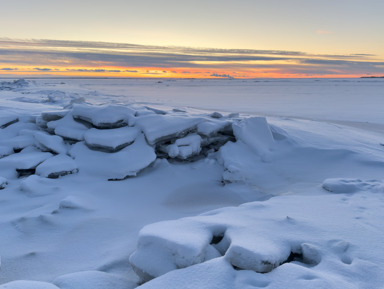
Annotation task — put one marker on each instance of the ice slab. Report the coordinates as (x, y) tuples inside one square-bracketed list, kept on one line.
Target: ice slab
[(159, 128), (113, 166), (254, 132), (68, 128), (103, 117), (110, 140), (51, 143), (57, 166)]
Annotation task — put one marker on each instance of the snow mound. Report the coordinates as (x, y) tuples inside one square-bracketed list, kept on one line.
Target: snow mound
[(110, 140), (162, 128), (50, 143), (287, 239), (348, 186), (3, 183), (103, 117), (23, 284), (94, 280), (127, 162), (57, 166), (37, 186)]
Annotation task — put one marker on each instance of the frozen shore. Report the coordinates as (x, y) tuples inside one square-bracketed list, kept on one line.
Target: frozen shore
[(174, 184)]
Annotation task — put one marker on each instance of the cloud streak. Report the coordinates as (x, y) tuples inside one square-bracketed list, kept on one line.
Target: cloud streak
[(102, 57)]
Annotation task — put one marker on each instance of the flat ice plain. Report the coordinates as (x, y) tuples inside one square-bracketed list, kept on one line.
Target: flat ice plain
[(147, 183)]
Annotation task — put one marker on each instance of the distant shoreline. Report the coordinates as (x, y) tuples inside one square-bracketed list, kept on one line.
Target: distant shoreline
[(372, 76)]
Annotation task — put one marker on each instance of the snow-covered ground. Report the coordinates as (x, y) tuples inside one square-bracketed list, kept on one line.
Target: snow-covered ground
[(125, 183)]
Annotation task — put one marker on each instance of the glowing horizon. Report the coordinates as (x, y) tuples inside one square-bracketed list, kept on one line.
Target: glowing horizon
[(54, 58)]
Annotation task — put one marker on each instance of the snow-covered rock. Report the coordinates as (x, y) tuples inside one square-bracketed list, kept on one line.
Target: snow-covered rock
[(185, 147), (26, 284), (125, 163), (161, 128), (3, 183), (94, 280), (110, 140), (51, 143), (57, 166), (111, 116), (254, 132)]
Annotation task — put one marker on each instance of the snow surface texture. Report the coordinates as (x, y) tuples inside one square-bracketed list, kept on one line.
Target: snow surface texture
[(277, 202)]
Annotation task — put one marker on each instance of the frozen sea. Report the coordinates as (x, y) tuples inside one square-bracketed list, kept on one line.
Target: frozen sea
[(188, 183)]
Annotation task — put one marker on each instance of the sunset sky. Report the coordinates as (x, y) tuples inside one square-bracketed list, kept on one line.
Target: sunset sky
[(210, 38)]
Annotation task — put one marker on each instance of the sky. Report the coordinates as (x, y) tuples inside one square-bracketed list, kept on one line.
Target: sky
[(210, 38)]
